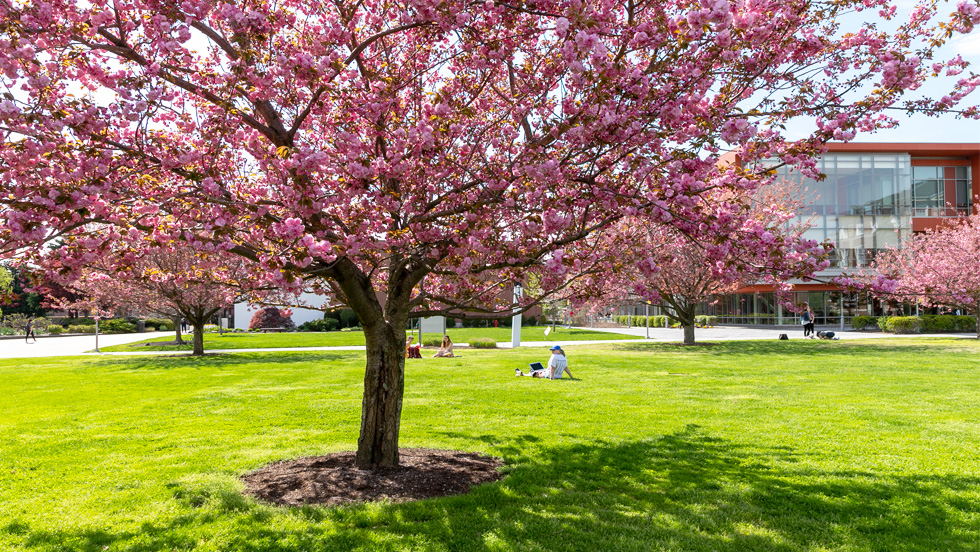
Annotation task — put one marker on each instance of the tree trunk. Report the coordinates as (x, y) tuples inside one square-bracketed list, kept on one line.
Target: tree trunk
[(978, 316), (178, 340), (688, 334), (381, 408), (198, 338)]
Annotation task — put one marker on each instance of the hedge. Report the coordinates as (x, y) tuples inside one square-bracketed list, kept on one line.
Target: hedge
[(322, 325), (81, 328), (55, 329), (864, 322), (904, 324), (116, 326)]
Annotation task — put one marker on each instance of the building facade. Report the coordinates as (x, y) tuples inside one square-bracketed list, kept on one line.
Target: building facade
[(873, 196)]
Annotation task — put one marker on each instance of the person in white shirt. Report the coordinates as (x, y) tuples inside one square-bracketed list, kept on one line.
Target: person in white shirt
[(557, 365)]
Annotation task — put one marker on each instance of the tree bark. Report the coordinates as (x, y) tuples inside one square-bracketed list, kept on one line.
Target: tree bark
[(384, 383), (178, 340), (688, 334), (198, 338)]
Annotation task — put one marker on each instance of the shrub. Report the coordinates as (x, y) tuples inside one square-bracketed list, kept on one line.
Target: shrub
[(483, 343), (270, 317), (966, 323), (55, 329), (81, 328), (351, 329), (883, 322), (943, 323), (531, 321), (116, 326), (161, 324), (432, 342), (323, 325), (348, 319), (706, 321), (864, 322), (7, 331), (213, 328), (904, 324)]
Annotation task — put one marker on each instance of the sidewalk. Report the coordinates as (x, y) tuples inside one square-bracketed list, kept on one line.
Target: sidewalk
[(84, 344)]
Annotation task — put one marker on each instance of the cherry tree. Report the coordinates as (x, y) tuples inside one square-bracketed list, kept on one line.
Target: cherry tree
[(935, 268), (411, 157), (169, 282), (678, 272)]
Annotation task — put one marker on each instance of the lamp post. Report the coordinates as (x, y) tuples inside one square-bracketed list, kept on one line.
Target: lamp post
[(647, 306), (97, 334), (515, 324)]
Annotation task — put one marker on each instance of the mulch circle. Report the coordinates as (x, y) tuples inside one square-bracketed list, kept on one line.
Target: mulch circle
[(333, 480)]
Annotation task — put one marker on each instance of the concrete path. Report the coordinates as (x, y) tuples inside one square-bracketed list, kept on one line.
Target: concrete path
[(84, 345)]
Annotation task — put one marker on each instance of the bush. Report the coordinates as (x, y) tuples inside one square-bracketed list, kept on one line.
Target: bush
[(323, 325), (531, 321), (706, 321), (348, 319), (55, 329), (483, 343), (966, 323), (81, 328), (7, 331), (116, 326), (883, 323), (942, 323), (270, 317), (160, 324), (432, 342), (351, 329), (904, 324), (864, 322)]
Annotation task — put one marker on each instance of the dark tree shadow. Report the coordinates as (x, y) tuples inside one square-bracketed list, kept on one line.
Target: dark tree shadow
[(686, 491)]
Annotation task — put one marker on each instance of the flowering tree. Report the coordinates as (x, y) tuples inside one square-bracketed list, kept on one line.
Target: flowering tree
[(935, 268), (169, 282), (677, 271), (426, 153)]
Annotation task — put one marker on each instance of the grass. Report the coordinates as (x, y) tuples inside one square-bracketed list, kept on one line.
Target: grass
[(756, 446), (214, 341)]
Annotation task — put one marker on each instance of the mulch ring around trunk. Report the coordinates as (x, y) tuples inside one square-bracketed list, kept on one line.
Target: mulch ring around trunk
[(333, 480)]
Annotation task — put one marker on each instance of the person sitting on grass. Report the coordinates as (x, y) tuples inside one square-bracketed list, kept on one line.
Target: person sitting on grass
[(557, 365), (446, 350), (412, 351), (826, 335)]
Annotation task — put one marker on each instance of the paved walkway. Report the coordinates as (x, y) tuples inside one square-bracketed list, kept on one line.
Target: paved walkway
[(84, 345)]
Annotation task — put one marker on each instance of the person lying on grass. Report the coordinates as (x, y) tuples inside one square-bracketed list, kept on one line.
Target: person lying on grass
[(557, 365)]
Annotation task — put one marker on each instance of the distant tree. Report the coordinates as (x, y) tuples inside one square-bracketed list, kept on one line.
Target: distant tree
[(271, 317), (939, 267), (172, 282), (678, 272)]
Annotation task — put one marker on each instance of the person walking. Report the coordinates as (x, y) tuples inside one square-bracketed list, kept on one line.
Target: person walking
[(29, 331), (805, 320)]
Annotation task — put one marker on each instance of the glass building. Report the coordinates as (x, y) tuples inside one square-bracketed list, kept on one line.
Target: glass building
[(872, 197)]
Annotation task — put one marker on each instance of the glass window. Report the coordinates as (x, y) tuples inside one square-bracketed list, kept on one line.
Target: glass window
[(926, 193), (925, 173)]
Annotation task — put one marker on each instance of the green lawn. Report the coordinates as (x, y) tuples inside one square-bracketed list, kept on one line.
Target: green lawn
[(215, 341), (758, 446)]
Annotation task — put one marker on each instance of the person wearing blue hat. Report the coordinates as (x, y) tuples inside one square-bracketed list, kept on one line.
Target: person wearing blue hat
[(557, 366)]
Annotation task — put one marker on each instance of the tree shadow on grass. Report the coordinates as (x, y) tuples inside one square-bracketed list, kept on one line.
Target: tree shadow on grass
[(686, 491), (218, 359)]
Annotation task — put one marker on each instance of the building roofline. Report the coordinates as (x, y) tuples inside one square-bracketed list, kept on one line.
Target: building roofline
[(918, 149)]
